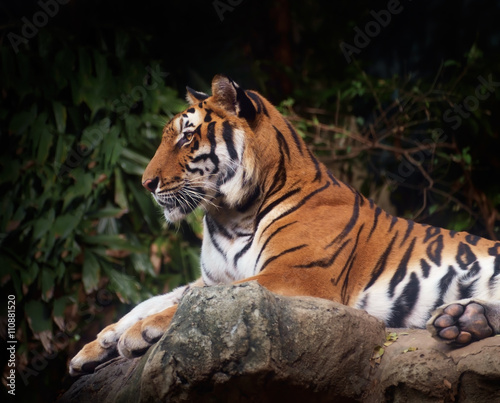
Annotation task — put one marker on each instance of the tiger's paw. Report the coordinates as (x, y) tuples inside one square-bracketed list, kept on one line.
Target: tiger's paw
[(137, 340), (460, 323), (89, 357)]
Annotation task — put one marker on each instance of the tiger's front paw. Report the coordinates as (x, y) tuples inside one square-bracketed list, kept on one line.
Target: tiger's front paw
[(460, 323), (136, 340), (89, 357)]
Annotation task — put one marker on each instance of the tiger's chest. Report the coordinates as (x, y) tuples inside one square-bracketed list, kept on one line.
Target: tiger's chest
[(229, 252)]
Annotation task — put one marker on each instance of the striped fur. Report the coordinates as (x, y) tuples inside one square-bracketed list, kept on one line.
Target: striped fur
[(275, 214)]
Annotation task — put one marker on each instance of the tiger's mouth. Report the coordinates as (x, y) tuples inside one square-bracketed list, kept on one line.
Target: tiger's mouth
[(184, 200)]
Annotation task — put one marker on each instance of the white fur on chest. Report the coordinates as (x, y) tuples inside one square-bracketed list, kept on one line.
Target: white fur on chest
[(225, 260)]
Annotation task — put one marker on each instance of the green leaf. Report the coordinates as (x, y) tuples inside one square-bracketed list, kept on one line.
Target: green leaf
[(29, 274), (133, 162), (90, 271), (10, 267), (48, 282), (106, 212), (43, 225), (141, 263), (120, 195), (60, 115), (44, 146), (58, 306), (125, 286), (22, 120), (82, 186), (38, 316), (146, 205), (112, 242), (66, 223)]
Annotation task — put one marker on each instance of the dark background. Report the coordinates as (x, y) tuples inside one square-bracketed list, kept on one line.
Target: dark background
[(431, 54)]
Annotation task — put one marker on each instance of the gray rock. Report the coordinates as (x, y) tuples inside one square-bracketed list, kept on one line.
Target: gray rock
[(245, 344)]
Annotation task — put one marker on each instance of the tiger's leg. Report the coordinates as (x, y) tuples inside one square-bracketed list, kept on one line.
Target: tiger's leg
[(129, 328), (464, 321)]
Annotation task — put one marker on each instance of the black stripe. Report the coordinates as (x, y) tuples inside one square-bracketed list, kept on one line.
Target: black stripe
[(271, 259), (271, 237), (272, 205), (208, 116), (426, 268), (465, 256), (347, 269), (494, 250), (227, 135), (444, 285), (378, 211), (409, 229), (211, 155), (316, 165), (434, 250), (283, 145), (465, 286), (466, 290), (298, 205), (472, 239), (362, 303), (400, 272), (260, 105), (394, 220), (250, 201), (242, 252), (405, 303), (382, 261), (212, 229), (350, 224), (194, 170), (326, 262), (431, 232), (279, 180), (496, 273), (216, 227), (206, 273), (333, 179), (296, 138)]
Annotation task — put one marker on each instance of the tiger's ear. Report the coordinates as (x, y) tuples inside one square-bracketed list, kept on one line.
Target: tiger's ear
[(232, 98), (194, 97)]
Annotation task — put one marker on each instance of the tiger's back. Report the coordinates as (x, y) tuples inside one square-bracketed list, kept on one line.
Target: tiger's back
[(276, 215)]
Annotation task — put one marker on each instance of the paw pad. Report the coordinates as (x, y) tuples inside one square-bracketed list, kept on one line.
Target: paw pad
[(461, 324)]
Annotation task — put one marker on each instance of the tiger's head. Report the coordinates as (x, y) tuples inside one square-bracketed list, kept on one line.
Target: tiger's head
[(205, 157)]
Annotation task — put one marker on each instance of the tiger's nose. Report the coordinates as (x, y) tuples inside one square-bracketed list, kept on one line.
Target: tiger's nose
[(151, 184)]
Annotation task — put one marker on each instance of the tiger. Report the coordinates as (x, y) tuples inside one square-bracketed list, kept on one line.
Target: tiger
[(276, 215)]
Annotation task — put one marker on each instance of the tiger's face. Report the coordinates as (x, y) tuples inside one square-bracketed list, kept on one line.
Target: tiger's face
[(201, 158)]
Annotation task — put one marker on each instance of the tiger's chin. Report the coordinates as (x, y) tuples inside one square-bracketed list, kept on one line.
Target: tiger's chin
[(173, 216), (178, 213)]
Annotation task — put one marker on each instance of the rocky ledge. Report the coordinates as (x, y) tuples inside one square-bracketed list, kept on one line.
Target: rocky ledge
[(245, 344)]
